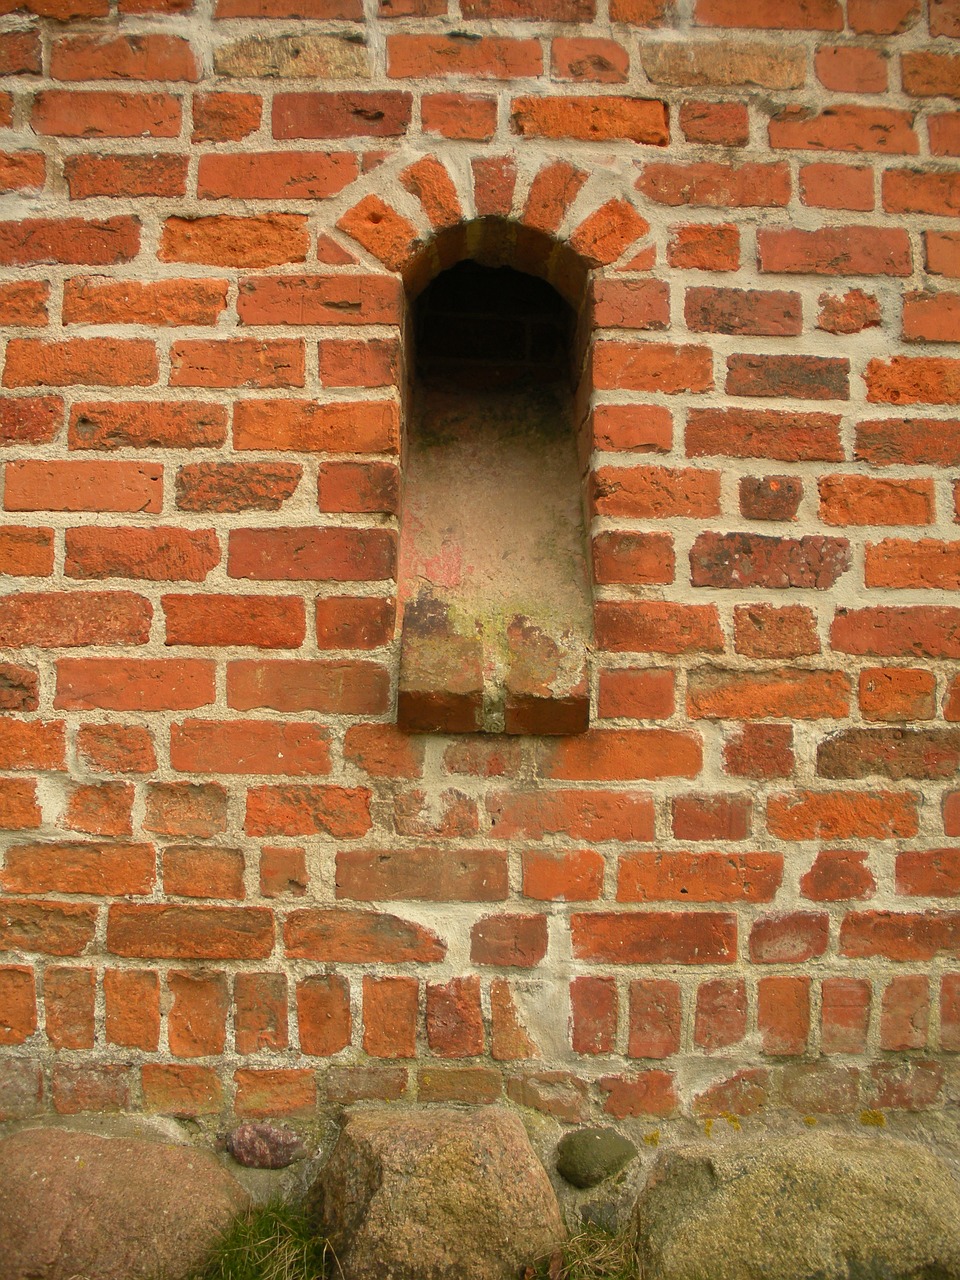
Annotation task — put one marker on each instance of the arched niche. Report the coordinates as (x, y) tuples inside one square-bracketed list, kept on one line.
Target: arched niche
[(494, 588)]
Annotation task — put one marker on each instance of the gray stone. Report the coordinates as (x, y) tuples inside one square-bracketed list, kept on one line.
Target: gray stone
[(264, 1146), (73, 1205), (587, 1157), (435, 1195), (811, 1208)]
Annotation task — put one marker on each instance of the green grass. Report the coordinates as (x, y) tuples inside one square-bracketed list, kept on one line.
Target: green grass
[(270, 1242), (592, 1254)]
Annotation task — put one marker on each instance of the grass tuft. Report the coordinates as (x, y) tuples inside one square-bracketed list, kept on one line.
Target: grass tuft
[(269, 1242), (592, 1254)]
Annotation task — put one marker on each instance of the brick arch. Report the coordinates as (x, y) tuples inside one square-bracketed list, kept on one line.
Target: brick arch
[(591, 244)]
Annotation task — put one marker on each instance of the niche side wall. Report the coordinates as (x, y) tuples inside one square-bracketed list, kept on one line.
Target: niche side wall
[(229, 883)]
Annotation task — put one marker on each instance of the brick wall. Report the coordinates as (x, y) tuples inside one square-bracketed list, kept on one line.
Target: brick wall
[(229, 882)]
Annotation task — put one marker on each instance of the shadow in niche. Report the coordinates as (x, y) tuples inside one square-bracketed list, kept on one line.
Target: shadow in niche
[(494, 586)]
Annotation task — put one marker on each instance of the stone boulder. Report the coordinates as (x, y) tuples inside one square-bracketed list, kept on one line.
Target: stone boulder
[(810, 1208), (435, 1195), (77, 1205)]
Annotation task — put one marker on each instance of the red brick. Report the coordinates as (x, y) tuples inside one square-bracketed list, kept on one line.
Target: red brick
[(30, 419), (20, 53), (109, 870), (845, 1014), (358, 937), (845, 128), (907, 1086), (275, 175), (148, 424), (390, 1015), (931, 317), (699, 877), (237, 362), (590, 119), (636, 694), (350, 688), (783, 1015), (913, 191), (770, 497), (622, 754), (901, 562), (175, 932), (657, 627), (260, 1012), (783, 435), (711, 817), (18, 688), (97, 300), (929, 74), (201, 872), (651, 1093), (225, 117), (838, 875), (98, 362), (342, 114), (76, 1088), (652, 366), (749, 312), (593, 1015), (283, 872), (110, 748), (264, 622), (837, 186), (655, 1014), (909, 631), (221, 240), (516, 941), (26, 552), (323, 1013), (143, 57), (932, 441), (944, 131), (633, 558), (582, 815), (383, 751), (861, 251), (269, 1093), (470, 116), (196, 1021), (67, 113), (842, 815), (802, 377), (186, 808), (759, 751), (69, 995), (18, 1002), (181, 1091), (53, 928), (630, 304), (83, 486), (236, 486), (933, 873), (588, 60), (100, 809), (126, 176), (729, 560), (249, 746), (494, 180), (22, 170), (895, 693), (425, 875), (562, 876), (19, 810), (358, 362), (780, 15), (905, 1013), (725, 124), (454, 1018), (295, 809), (721, 1015), (713, 185), (950, 1012), (882, 17), (654, 937), (158, 554), (24, 303), (306, 427), (319, 300), (849, 69), (851, 312), (74, 619), (789, 939), (31, 744), (313, 554), (713, 246), (656, 492)]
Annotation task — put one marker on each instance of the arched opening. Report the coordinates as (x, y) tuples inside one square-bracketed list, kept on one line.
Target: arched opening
[(494, 587)]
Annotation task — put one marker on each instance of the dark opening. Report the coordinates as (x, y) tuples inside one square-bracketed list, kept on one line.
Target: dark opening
[(494, 589)]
